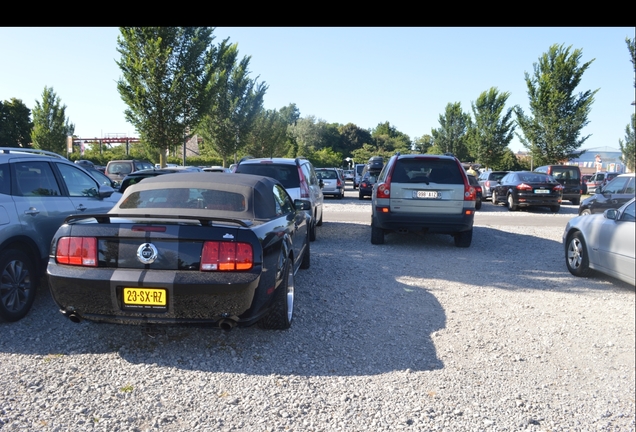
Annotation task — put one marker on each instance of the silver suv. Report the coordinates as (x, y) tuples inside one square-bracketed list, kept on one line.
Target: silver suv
[(428, 193), (297, 176), (38, 189)]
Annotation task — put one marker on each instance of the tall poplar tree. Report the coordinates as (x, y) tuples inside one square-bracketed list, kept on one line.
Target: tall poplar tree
[(234, 107), (552, 132), (167, 81), (51, 127), (15, 124), (492, 128), (451, 136)]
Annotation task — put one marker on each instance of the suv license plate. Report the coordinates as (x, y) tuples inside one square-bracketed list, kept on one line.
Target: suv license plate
[(426, 194), (145, 296)]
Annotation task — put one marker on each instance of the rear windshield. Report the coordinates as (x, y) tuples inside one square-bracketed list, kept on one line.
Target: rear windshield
[(193, 198), (326, 174), (565, 173), (286, 174), (497, 176), (425, 170)]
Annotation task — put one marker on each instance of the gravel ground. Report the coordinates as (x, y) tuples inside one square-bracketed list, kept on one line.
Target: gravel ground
[(412, 335)]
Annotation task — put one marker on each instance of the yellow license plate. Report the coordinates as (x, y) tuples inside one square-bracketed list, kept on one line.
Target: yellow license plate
[(145, 296)]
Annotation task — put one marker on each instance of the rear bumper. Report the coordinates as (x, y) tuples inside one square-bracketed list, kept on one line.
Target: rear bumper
[(191, 296), (436, 223)]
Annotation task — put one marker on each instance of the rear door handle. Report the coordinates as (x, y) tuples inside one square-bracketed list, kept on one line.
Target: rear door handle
[(81, 207), (32, 211)]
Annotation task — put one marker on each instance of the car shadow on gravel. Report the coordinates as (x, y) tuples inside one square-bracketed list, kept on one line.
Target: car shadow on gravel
[(360, 309)]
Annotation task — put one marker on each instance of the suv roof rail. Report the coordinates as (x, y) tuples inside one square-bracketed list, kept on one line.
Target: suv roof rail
[(40, 152)]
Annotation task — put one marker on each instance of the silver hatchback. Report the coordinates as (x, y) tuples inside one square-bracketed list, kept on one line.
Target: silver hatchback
[(333, 183)]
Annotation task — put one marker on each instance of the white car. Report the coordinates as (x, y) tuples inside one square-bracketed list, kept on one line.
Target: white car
[(602, 242)]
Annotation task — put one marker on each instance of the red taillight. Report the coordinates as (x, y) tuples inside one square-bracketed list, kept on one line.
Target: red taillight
[(363, 184), (384, 190), (339, 183), (524, 186), (470, 193), (558, 188), (304, 187), (224, 256), (487, 183), (80, 251)]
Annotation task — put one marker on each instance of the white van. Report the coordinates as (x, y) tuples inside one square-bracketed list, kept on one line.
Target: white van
[(357, 174)]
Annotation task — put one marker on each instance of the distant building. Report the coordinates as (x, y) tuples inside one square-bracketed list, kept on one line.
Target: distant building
[(594, 159)]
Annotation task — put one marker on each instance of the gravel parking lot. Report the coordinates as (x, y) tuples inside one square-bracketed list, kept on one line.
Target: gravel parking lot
[(412, 335)]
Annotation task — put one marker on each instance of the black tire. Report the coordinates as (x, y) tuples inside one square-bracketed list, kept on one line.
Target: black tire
[(312, 230), (576, 201), (464, 238), (555, 208), (18, 285), (586, 212), (477, 204), (282, 311), (341, 196), (360, 196), (377, 234), (319, 222), (511, 203), (306, 262), (576, 257), (493, 199)]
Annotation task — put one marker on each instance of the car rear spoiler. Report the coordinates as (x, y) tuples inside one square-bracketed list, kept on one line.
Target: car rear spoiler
[(203, 220)]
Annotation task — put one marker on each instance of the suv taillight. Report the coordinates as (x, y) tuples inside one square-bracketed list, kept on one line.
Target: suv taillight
[(470, 193), (226, 256), (79, 251), (304, 187)]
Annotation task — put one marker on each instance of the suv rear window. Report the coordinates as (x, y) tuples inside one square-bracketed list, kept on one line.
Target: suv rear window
[(565, 173), (425, 170), (287, 175)]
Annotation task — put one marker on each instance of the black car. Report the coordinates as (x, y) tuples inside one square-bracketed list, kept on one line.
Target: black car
[(365, 188), (613, 195), (193, 248), (527, 188), (137, 176)]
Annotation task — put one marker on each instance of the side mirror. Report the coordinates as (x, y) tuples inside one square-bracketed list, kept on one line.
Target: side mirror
[(321, 183), (302, 204), (610, 214), (105, 191)]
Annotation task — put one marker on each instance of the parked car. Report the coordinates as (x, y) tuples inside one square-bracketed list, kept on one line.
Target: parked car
[(116, 170), (599, 179), (192, 248), (100, 177), (365, 188), (297, 176), (357, 175), (473, 182), (423, 193), (602, 242), (333, 183), (569, 176), (527, 188), (488, 180), (38, 189), (584, 179), (349, 175), (216, 168), (613, 195), (137, 176)]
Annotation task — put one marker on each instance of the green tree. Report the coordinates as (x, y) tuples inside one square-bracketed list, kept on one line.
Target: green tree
[(290, 113), (451, 136), (558, 114), (492, 129), (268, 137), (15, 124), (627, 147), (423, 144), (353, 137), (631, 46), (168, 81), (239, 99), (51, 127), (389, 140)]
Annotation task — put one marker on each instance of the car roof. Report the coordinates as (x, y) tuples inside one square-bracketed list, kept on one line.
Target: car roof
[(258, 191), (275, 160)]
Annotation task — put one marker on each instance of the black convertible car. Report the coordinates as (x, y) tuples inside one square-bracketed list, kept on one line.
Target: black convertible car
[(195, 248)]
